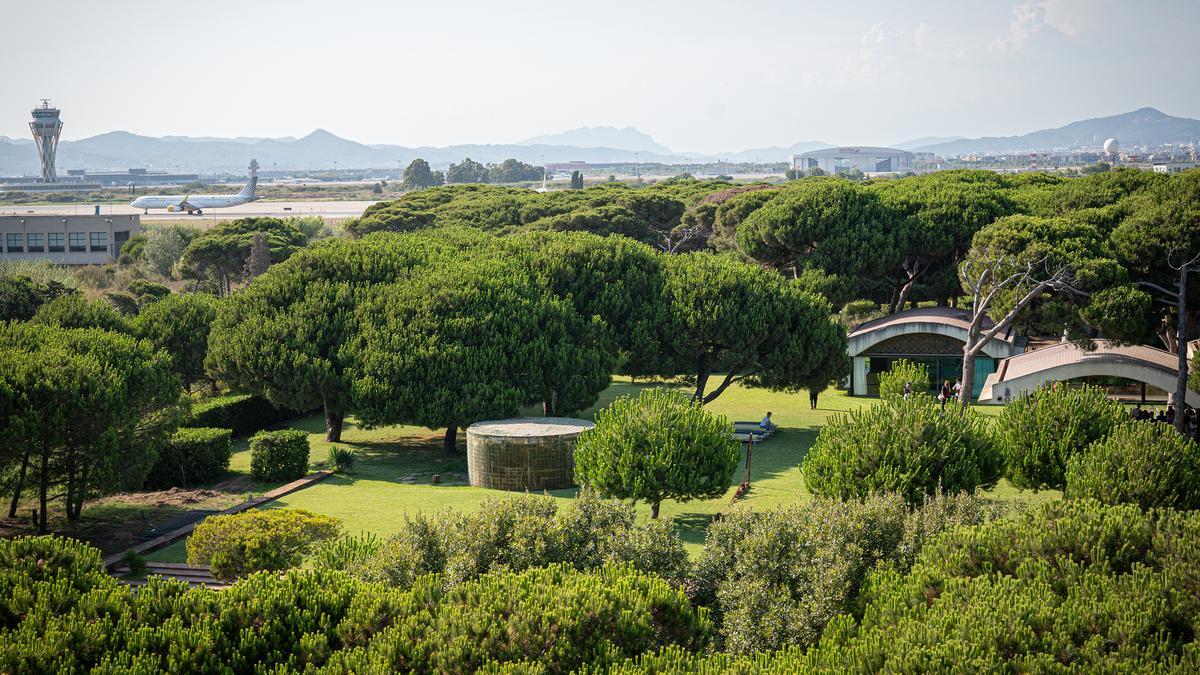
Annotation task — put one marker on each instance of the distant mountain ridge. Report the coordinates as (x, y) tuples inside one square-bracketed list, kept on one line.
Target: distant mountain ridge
[(1144, 126), (322, 149)]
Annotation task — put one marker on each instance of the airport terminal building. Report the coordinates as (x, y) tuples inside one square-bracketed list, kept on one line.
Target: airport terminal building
[(64, 239), (844, 160)]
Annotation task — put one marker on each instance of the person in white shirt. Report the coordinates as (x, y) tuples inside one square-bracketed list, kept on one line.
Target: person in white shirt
[(766, 424)]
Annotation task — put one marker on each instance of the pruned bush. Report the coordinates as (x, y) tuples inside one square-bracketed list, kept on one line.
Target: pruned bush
[(657, 446), (776, 578), (243, 413), (910, 447), (1141, 463), (902, 372), (273, 539), (192, 456), (279, 455), (525, 532), (553, 619), (1040, 431)]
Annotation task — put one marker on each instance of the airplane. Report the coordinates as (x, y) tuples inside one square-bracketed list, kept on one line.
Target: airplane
[(195, 205)]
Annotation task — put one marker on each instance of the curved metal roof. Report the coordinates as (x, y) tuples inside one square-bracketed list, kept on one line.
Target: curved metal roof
[(947, 316), (1067, 353)]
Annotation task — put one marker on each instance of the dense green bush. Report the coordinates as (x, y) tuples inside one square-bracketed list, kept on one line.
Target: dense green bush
[(1141, 463), (1072, 586), (657, 446), (552, 619), (279, 455), (192, 456), (910, 447), (524, 532), (243, 413), (147, 292), (48, 574), (76, 311), (1040, 431), (891, 383), (273, 539), (340, 553), (776, 578)]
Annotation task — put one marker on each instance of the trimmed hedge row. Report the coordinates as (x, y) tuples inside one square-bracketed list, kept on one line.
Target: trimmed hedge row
[(260, 540), (192, 456), (244, 414), (279, 455)]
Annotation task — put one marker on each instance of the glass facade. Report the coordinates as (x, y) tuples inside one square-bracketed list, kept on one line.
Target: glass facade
[(99, 242), (13, 242), (78, 243), (54, 242), (941, 368), (34, 239)]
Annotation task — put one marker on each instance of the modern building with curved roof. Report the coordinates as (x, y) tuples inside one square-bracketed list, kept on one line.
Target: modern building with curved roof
[(845, 159), (933, 336), (1067, 361)]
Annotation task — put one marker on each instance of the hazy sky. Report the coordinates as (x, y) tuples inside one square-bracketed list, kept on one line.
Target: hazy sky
[(697, 75)]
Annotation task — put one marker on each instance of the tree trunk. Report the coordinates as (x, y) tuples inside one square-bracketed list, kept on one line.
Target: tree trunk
[(905, 291), (450, 446), (548, 405), (12, 507), (1181, 380), (43, 488), (702, 373), (333, 423), (654, 510)]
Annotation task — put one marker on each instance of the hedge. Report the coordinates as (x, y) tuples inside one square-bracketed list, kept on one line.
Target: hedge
[(192, 456), (1143, 463), (279, 455), (907, 446), (275, 539), (244, 414)]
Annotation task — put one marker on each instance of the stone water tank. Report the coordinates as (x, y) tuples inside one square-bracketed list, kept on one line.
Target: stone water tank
[(524, 453)]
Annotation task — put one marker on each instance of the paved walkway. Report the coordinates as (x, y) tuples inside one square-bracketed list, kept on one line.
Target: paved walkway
[(111, 561)]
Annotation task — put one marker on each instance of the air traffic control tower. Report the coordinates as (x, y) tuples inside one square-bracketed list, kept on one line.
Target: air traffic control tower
[(46, 127)]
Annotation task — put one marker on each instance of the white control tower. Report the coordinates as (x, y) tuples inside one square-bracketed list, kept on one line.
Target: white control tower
[(46, 127)]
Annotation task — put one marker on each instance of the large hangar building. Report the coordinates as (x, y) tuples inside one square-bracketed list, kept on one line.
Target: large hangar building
[(865, 159)]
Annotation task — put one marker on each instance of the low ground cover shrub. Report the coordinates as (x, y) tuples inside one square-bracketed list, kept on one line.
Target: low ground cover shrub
[(273, 539), (192, 456), (909, 446), (524, 532), (279, 455), (776, 578), (1141, 463), (243, 413), (1039, 432)]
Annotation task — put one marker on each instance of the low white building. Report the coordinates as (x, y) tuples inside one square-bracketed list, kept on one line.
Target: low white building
[(64, 239), (844, 160)]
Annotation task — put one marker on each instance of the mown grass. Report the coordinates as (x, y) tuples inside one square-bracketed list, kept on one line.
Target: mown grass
[(393, 476)]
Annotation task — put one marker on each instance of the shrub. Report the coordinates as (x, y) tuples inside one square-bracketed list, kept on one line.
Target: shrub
[(243, 413), (552, 619), (1141, 463), (76, 311), (857, 311), (891, 383), (341, 553), (910, 447), (136, 562), (1037, 433), (776, 578), (123, 302), (273, 539), (147, 292), (46, 573), (657, 446), (524, 532), (192, 456), (341, 459), (279, 455)]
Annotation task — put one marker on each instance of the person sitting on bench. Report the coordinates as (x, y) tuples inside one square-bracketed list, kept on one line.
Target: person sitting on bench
[(766, 424)]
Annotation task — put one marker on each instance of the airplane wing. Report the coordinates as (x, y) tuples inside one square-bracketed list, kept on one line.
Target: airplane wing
[(184, 204)]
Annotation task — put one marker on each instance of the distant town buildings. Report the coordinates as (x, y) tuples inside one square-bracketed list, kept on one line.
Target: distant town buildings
[(846, 159)]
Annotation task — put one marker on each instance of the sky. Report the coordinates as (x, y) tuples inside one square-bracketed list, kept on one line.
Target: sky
[(698, 76)]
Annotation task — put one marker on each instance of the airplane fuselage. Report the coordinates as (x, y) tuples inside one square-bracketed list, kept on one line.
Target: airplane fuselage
[(189, 203)]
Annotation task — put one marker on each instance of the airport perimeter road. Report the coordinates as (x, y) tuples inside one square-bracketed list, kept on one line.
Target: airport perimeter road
[(330, 210)]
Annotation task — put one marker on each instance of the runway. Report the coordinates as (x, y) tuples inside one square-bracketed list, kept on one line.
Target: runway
[(330, 210)]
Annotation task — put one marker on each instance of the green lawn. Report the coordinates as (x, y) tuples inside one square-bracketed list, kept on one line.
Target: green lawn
[(395, 466)]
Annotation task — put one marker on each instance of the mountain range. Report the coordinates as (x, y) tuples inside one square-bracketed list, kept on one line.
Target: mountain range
[(323, 150)]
